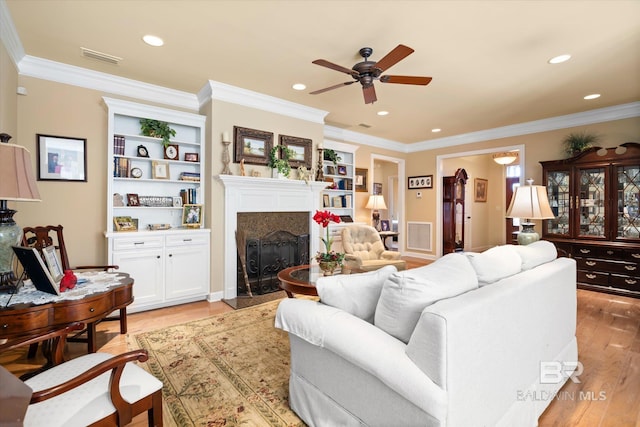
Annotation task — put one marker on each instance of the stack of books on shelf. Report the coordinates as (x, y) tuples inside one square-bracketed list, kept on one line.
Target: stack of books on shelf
[(120, 167), (118, 145), (190, 176), (190, 195)]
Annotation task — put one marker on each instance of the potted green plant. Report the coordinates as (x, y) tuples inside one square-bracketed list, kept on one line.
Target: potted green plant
[(157, 129), (281, 164), (330, 154), (576, 143)]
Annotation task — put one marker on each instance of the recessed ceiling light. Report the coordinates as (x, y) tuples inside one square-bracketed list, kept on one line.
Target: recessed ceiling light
[(153, 40), (559, 59), (592, 96), (436, 130), (383, 113), (299, 86)]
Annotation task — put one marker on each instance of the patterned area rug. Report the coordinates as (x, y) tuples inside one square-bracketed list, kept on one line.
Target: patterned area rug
[(226, 370)]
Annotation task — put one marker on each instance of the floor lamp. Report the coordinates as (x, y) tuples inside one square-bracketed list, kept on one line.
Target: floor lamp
[(376, 201), (17, 183), (529, 202)]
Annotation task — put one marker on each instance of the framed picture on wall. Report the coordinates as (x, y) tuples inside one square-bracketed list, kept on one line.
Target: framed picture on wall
[(301, 148), (251, 145), (61, 158), (424, 181), (480, 190), (360, 179)]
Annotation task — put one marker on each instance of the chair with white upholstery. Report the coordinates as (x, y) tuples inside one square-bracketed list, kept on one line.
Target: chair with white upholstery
[(96, 389), (364, 250)]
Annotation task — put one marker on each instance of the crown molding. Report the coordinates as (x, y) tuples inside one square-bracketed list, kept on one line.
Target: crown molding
[(9, 34), (360, 138), (600, 115), (223, 92), (82, 77)]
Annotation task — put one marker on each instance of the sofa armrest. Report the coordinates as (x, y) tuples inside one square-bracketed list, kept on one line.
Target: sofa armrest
[(363, 345)]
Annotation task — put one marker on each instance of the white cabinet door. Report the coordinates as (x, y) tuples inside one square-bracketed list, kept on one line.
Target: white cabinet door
[(187, 271), (146, 267)]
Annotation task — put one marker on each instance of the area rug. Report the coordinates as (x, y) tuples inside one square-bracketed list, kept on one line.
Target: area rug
[(227, 370)]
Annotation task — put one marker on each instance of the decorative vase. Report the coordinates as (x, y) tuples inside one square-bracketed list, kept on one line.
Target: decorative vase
[(328, 267)]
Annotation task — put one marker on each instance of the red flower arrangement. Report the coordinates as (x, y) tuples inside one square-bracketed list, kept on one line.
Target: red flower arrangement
[(324, 218)]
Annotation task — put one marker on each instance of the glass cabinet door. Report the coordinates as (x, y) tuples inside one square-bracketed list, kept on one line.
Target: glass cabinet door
[(591, 202), (628, 199), (559, 200)]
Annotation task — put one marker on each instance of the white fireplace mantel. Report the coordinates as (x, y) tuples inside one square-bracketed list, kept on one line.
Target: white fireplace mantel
[(249, 194)]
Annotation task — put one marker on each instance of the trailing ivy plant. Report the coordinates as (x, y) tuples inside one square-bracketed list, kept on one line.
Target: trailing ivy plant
[(576, 143), (330, 154), (157, 129), (282, 163)]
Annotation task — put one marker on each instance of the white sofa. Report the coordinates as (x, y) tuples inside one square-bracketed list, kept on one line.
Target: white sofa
[(464, 341)]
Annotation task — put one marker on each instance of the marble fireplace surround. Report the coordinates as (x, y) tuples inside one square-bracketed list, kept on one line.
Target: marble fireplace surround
[(249, 194)]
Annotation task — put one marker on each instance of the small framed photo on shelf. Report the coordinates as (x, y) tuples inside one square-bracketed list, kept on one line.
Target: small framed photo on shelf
[(192, 215), (331, 170), (132, 199), (177, 201), (342, 170), (160, 170), (415, 182), (124, 223), (191, 157), (325, 201), (61, 158)]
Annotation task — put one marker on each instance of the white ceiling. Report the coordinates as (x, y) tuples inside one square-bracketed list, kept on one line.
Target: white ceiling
[(488, 59)]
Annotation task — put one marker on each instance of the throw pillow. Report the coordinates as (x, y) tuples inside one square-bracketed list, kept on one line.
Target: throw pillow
[(405, 294), (536, 253), (356, 294), (496, 263)]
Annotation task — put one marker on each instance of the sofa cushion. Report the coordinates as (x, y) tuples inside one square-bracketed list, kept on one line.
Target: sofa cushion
[(536, 253), (405, 294), (496, 263), (356, 294)]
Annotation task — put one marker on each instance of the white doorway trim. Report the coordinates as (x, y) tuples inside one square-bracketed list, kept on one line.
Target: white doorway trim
[(440, 174), (401, 190)]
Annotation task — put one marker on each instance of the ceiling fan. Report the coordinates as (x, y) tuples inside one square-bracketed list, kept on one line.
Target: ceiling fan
[(366, 72)]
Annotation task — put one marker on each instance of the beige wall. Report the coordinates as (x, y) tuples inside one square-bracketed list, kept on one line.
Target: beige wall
[(8, 96)]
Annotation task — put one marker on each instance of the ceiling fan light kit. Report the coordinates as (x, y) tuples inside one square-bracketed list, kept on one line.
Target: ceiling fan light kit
[(367, 72)]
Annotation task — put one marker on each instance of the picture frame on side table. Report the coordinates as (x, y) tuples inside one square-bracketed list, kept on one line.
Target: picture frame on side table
[(480, 186), (301, 148), (61, 158), (361, 180), (251, 145), (192, 215), (159, 170), (423, 181), (53, 262), (384, 225)]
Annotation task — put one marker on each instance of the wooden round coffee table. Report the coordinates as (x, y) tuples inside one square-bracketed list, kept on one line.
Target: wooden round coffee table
[(300, 279)]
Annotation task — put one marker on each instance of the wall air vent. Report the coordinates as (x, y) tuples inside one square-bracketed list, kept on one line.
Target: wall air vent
[(104, 57), (419, 235)]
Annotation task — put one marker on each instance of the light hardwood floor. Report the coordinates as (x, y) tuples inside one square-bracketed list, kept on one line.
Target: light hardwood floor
[(608, 344)]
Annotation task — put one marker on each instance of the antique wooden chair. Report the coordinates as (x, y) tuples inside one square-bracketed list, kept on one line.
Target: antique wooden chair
[(40, 237), (96, 389)]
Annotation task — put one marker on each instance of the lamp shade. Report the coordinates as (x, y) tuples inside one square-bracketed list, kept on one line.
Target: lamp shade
[(376, 202), (505, 158), (17, 181), (530, 202)]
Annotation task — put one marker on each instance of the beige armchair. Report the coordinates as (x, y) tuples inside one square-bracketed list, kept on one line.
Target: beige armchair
[(364, 250)]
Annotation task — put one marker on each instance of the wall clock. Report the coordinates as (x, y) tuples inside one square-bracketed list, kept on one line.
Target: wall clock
[(171, 152)]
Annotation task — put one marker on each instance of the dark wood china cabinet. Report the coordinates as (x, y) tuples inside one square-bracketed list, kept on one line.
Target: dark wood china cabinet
[(595, 197)]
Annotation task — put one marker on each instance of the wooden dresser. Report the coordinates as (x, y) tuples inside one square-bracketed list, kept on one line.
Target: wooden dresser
[(596, 199)]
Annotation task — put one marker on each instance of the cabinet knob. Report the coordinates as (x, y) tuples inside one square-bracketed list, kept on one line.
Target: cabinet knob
[(170, 255), (609, 252), (630, 267), (590, 276), (630, 281), (158, 256), (5, 326), (91, 309), (585, 251), (635, 255), (590, 263)]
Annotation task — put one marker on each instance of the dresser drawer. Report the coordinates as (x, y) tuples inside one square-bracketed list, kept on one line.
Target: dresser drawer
[(125, 244), (187, 240), (625, 282), (86, 310), (594, 278), (12, 322), (597, 252), (592, 264)]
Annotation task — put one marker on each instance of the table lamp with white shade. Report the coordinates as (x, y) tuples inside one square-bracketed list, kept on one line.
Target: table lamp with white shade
[(376, 202), (529, 202), (18, 184)]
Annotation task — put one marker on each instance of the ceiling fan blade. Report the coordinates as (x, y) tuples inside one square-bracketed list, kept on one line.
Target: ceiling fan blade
[(315, 92), (369, 93), (392, 58), (406, 80), (325, 63)]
